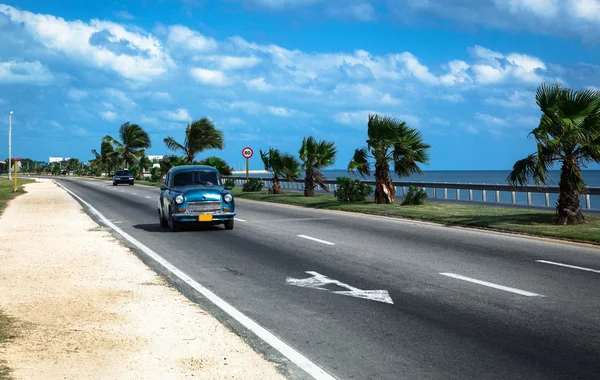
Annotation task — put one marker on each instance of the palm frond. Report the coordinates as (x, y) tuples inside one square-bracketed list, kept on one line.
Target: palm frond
[(173, 145), (529, 167), (360, 163)]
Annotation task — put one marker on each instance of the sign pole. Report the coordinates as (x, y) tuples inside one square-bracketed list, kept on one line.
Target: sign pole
[(15, 189), (247, 153)]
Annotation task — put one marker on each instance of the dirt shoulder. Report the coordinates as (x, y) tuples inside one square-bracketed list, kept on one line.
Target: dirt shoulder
[(87, 308)]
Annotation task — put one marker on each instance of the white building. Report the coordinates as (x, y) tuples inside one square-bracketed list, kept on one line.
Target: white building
[(58, 159), (155, 158)]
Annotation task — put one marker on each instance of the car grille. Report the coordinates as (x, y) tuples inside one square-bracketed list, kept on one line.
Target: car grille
[(205, 206)]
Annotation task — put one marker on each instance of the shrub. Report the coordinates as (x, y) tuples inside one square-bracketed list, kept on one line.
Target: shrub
[(230, 183), (135, 171), (155, 174), (349, 190), (253, 184), (415, 196)]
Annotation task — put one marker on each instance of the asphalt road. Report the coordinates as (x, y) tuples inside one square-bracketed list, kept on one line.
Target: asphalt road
[(466, 304)]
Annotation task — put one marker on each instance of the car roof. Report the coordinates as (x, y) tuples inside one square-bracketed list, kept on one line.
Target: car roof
[(189, 168)]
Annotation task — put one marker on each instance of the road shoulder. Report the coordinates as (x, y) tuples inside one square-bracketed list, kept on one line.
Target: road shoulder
[(87, 307)]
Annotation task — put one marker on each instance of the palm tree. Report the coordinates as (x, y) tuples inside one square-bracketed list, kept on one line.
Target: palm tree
[(391, 141), (200, 135), (218, 163), (315, 156), (568, 134), (106, 157), (144, 164), (171, 161), (282, 166), (134, 141)]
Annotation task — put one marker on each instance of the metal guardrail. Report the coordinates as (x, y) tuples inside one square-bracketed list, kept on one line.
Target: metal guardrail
[(442, 189)]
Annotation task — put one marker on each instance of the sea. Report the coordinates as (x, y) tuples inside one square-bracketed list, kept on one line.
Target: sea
[(495, 177)]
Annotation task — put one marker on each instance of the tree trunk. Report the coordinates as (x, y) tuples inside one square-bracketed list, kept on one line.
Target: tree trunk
[(276, 188), (385, 192), (309, 184), (568, 208)]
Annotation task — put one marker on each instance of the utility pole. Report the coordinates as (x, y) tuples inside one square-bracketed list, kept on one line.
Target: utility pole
[(9, 144)]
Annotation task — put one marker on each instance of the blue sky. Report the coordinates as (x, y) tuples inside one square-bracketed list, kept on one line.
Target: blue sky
[(269, 72)]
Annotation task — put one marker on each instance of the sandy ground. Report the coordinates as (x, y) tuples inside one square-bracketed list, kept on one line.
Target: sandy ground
[(88, 308)]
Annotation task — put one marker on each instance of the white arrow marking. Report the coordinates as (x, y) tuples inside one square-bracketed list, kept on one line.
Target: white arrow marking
[(318, 281)]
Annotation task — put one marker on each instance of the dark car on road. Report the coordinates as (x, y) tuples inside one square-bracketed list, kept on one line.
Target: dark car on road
[(123, 176), (195, 194)]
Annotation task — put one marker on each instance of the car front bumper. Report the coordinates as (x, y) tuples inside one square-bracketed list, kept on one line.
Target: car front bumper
[(192, 217)]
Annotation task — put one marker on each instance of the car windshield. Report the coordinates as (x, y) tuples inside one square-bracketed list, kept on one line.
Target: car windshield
[(123, 172), (207, 178)]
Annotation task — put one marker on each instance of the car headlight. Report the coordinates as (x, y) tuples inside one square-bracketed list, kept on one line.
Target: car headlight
[(228, 198), (179, 199)]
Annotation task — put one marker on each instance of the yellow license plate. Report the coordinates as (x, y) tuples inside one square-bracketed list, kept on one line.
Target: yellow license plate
[(205, 218)]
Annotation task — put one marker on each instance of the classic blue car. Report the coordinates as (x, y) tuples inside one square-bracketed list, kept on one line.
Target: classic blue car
[(195, 194)]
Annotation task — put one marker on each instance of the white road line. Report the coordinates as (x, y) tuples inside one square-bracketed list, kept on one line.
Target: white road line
[(240, 220), (294, 356), (568, 266), (134, 193), (315, 239), (149, 197), (492, 285)]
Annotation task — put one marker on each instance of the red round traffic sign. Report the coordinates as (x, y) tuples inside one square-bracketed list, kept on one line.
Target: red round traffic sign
[(247, 152)]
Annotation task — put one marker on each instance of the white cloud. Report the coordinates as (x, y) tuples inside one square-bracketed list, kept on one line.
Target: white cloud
[(472, 130), (234, 121), (109, 115), (124, 15), (515, 100), (120, 97), (259, 84), (550, 17), (158, 95), (458, 73), (588, 10), (361, 11), (363, 93), (439, 121), (77, 94), (180, 114), (145, 119), (490, 120), (210, 77), (233, 63), (418, 70), (81, 132), (453, 98), (494, 67), (19, 72), (281, 111), (180, 36), (542, 8), (99, 44), (108, 105), (353, 117)]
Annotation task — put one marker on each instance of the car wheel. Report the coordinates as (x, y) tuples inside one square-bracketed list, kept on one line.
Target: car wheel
[(163, 222), (114, 183), (228, 224), (131, 183), (175, 227)]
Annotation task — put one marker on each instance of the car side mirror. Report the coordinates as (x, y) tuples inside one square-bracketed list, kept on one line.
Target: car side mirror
[(228, 187), (163, 187)]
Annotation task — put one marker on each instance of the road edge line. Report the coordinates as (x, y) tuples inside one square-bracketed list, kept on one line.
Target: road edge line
[(283, 348)]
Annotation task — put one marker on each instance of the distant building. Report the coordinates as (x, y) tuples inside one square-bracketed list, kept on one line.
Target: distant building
[(58, 159), (155, 158)]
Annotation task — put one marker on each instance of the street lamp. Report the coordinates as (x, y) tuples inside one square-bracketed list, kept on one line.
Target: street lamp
[(9, 143)]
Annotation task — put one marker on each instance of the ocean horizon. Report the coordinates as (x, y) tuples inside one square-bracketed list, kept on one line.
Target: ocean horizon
[(489, 177)]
